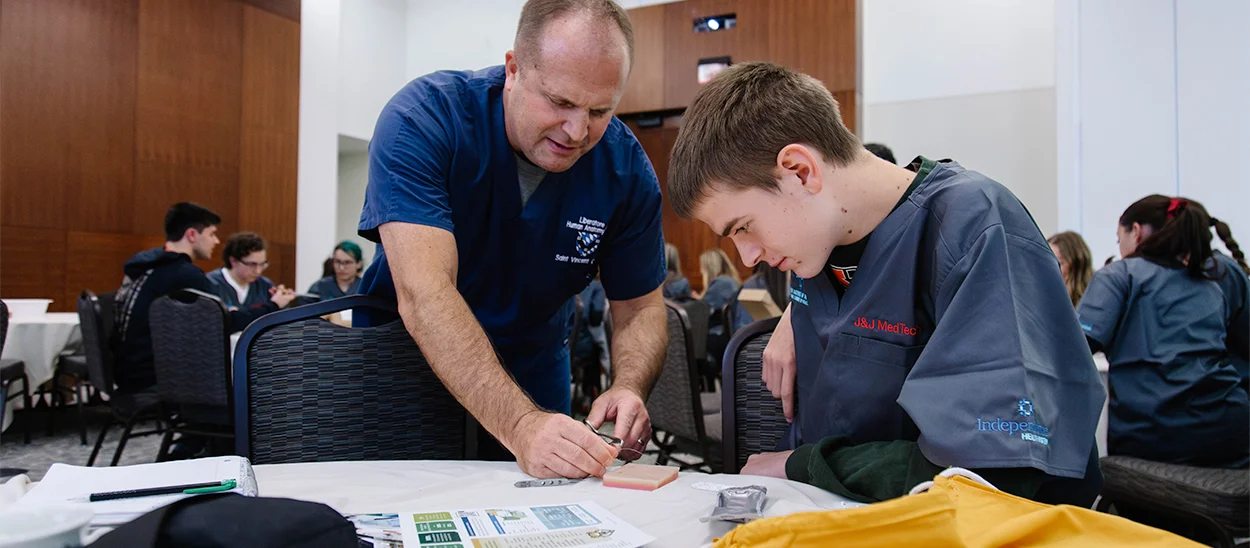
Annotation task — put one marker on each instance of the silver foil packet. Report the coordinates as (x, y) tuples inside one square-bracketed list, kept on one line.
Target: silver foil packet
[(739, 504)]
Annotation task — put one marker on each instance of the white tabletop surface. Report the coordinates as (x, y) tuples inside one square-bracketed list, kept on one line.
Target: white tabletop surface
[(670, 514), (37, 340)]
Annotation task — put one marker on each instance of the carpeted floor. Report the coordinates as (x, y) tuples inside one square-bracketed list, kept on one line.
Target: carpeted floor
[(65, 446)]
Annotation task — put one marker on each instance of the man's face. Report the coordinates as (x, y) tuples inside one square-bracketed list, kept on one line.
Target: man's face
[(250, 268), (558, 105), (203, 242), (776, 228)]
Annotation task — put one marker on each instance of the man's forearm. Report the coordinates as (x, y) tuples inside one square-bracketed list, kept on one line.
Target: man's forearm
[(461, 355), (639, 344)]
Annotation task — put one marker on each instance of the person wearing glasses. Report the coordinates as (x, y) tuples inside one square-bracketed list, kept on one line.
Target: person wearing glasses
[(347, 264), (240, 283)]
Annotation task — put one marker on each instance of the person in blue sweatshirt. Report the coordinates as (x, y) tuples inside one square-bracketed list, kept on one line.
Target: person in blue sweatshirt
[(190, 233)]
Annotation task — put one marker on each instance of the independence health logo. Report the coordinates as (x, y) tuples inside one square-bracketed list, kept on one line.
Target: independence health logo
[(1029, 430)]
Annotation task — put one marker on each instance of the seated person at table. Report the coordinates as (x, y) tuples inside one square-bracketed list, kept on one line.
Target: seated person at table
[(239, 283), (1075, 262), (957, 347), (190, 233), (1172, 318), (348, 263), (720, 278), (676, 286)]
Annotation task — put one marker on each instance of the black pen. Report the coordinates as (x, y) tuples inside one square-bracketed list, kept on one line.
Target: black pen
[(189, 489)]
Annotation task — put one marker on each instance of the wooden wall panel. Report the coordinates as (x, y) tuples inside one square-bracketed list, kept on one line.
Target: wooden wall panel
[(816, 37), (289, 9), (748, 41), (95, 261), (846, 104), (645, 90), (281, 270), (270, 122), (68, 68), (187, 127), (32, 264)]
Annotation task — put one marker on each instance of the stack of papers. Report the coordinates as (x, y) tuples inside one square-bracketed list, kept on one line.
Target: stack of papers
[(539, 526), (74, 484)]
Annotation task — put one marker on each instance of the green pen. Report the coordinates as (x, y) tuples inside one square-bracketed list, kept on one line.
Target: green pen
[(193, 489)]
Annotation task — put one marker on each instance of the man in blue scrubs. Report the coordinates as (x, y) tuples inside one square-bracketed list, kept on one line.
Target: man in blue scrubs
[(497, 196)]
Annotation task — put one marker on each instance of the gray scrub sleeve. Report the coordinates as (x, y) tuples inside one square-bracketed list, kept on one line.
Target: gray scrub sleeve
[(1006, 380)]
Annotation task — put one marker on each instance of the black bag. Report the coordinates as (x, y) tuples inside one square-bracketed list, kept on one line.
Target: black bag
[(212, 521)]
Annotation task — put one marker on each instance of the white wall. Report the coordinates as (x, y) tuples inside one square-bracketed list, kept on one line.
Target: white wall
[(447, 36), (972, 80), (353, 178), (373, 61), (318, 145), (1151, 95)]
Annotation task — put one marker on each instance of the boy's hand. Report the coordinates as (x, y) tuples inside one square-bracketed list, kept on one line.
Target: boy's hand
[(772, 465), (780, 365)]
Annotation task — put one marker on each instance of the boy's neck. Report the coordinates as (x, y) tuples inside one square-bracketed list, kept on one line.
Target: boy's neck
[(868, 190)]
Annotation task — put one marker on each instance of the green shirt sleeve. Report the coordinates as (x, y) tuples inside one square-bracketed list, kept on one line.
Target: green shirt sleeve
[(883, 470)]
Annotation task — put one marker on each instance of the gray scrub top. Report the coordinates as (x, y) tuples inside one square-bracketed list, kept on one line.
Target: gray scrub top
[(957, 333)]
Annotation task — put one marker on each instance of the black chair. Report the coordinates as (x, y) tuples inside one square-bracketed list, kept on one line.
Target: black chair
[(309, 390), (12, 371), (752, 419), (1216, 500), (71, 367), (191, 355), (674, 405), (126, 409), (700, 314)]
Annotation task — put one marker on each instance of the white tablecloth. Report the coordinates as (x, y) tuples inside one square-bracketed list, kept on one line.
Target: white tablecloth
[(37, 341), (670, 514)]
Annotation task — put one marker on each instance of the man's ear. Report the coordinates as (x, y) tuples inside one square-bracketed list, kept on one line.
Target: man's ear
[(798, 163), (510, 69)]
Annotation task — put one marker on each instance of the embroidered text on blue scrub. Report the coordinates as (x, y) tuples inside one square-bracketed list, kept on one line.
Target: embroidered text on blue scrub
[(1029, 430), (796, 293)]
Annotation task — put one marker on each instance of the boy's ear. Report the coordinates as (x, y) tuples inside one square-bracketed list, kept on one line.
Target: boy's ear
[(799, 164)]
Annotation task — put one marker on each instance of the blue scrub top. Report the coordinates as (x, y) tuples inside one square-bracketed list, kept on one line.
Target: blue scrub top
[(440, 157), (956, 333), (1171, 339)]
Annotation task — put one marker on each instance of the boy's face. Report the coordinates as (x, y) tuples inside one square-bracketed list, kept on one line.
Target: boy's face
[(788, 229)]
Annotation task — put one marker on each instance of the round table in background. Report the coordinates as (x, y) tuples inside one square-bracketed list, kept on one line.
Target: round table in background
[(37, 340)]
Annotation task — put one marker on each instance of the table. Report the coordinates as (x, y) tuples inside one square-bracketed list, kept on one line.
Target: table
[(670, 514), (37, 340)]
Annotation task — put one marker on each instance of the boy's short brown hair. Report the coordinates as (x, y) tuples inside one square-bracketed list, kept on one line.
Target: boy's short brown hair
[(738, 122)]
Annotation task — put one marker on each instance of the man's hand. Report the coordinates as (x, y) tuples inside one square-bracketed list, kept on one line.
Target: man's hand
[(779, 365), (281, 296), (552, 445), (772, 465), (627, 410)]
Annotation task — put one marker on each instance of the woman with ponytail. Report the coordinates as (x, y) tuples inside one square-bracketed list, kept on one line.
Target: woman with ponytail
[(1172, 320)]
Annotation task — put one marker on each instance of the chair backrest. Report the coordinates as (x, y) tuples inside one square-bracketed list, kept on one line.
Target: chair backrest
[(674, 404), (309, 390), (4, 324), (96, 337), (752, 420), (699, 314), (190, 349)]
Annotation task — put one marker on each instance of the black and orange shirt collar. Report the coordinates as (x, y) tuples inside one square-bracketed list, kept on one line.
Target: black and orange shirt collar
[(844, 259)]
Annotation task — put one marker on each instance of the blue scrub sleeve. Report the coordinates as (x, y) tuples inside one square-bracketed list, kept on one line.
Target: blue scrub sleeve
[(632, 264), (410, 162), (1102, 307), (1006, 379), (1237, 297)]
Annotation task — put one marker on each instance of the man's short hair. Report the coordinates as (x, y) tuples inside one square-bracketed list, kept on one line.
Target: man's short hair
[(537, 14), (183, 215), (881, 151), (241, 245), (739, 121)]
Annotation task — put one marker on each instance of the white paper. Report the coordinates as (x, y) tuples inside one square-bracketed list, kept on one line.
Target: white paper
[(65, 483), (538, 526)]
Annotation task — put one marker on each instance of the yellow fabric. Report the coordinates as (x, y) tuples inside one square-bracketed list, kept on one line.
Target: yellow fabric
[(955, 512)]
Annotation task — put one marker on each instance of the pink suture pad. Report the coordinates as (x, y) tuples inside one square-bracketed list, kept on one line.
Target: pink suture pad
[(644, 477)]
